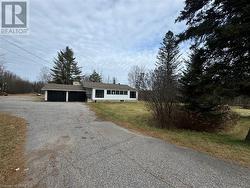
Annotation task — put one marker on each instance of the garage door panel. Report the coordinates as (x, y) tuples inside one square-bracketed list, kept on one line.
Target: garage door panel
[(77, 96), (59, 96)]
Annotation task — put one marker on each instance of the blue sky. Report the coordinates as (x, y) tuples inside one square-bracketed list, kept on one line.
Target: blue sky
[(109, 36)]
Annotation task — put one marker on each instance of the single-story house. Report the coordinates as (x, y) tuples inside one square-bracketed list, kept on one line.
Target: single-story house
[(89, 91)]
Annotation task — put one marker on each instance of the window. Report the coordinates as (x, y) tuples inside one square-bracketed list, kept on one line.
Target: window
[(117, 92), (132, 94), (99, 93)]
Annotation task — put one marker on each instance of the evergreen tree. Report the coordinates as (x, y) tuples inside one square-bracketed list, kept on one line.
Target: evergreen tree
[(163, 98), (167, 63), (65, 70), (95, 77), (114, 80), (222, 28), (197, 88)]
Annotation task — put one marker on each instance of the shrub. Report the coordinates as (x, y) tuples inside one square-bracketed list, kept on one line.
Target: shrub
[(164, 114), (248, 136), (220, 118)]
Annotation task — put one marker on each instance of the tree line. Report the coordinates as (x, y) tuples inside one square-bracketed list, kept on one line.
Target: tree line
[(13, 84)]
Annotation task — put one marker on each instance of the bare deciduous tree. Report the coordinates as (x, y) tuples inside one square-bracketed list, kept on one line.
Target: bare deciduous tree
[(137, 77), (45, 75), (2, 72), (14, 84)]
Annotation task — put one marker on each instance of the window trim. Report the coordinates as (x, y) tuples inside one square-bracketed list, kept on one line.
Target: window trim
[(101, 95), (132, 96)]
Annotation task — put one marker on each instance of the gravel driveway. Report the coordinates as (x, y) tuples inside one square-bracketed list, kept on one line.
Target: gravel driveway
[(68, 147)]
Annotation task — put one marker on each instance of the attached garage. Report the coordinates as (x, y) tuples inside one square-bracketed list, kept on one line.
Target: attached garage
[(57, 96), (64, 93), (77, 96)]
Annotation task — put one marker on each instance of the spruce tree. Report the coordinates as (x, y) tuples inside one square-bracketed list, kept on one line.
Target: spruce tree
[(65, 69), (163, 98), (222, 28), (197, 87), (167, 61)]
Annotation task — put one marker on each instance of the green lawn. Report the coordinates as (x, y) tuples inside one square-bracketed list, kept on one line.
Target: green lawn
[(225, 145)]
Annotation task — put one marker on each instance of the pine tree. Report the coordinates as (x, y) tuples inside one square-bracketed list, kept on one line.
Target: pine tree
[(65, 70), (95, 77)]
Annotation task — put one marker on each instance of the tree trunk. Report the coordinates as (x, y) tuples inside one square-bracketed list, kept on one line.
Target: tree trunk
[(248, 136)]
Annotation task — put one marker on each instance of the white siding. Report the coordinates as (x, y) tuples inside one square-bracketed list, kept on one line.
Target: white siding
[(46, 95), (114, 97), (67, 96)]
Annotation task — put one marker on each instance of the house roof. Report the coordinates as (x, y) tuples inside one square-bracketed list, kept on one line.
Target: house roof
[(99, 85), (96, 85), (63, 87)]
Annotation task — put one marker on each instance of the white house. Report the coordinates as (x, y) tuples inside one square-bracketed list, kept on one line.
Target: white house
[(89, 91), (102, 91)]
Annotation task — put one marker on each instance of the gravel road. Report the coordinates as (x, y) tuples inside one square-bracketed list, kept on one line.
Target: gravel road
[(67, 146)]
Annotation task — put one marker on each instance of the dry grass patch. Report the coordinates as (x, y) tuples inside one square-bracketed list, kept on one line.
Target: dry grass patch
[(12, 140), (224, 145)]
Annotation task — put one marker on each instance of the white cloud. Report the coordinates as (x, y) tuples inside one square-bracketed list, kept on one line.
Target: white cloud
[(110, 36)]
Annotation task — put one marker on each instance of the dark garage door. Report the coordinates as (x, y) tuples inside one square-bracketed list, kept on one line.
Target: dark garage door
[(77, 96), (57, 96)]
